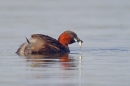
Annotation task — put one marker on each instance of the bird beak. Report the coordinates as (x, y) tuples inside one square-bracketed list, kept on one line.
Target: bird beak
[(79, 41)]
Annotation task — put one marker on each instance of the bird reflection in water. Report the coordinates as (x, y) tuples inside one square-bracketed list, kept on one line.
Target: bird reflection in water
[(67, 62)]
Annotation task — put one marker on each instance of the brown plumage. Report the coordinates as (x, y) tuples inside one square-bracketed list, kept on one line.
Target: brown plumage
[(43, 44)]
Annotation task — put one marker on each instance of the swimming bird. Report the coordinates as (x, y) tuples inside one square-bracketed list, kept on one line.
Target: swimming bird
[(44, 44)]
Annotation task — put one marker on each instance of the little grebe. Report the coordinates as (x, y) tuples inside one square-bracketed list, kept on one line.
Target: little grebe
[(43, 44)]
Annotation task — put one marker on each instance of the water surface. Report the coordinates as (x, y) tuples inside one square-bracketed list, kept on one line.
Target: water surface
[(102, 25)]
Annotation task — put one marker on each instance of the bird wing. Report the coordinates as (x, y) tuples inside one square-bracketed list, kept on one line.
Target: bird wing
[(43, 44)]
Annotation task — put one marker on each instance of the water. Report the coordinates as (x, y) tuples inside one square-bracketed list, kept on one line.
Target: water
[(102, 25)]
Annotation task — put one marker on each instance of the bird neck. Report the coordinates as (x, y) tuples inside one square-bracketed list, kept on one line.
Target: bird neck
[(64, 39)]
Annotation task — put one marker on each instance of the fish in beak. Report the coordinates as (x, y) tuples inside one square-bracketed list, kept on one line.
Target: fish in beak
[(80, 44), (79, 41)]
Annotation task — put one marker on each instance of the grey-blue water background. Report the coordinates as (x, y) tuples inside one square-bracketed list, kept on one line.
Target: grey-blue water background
[(103, 25)]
